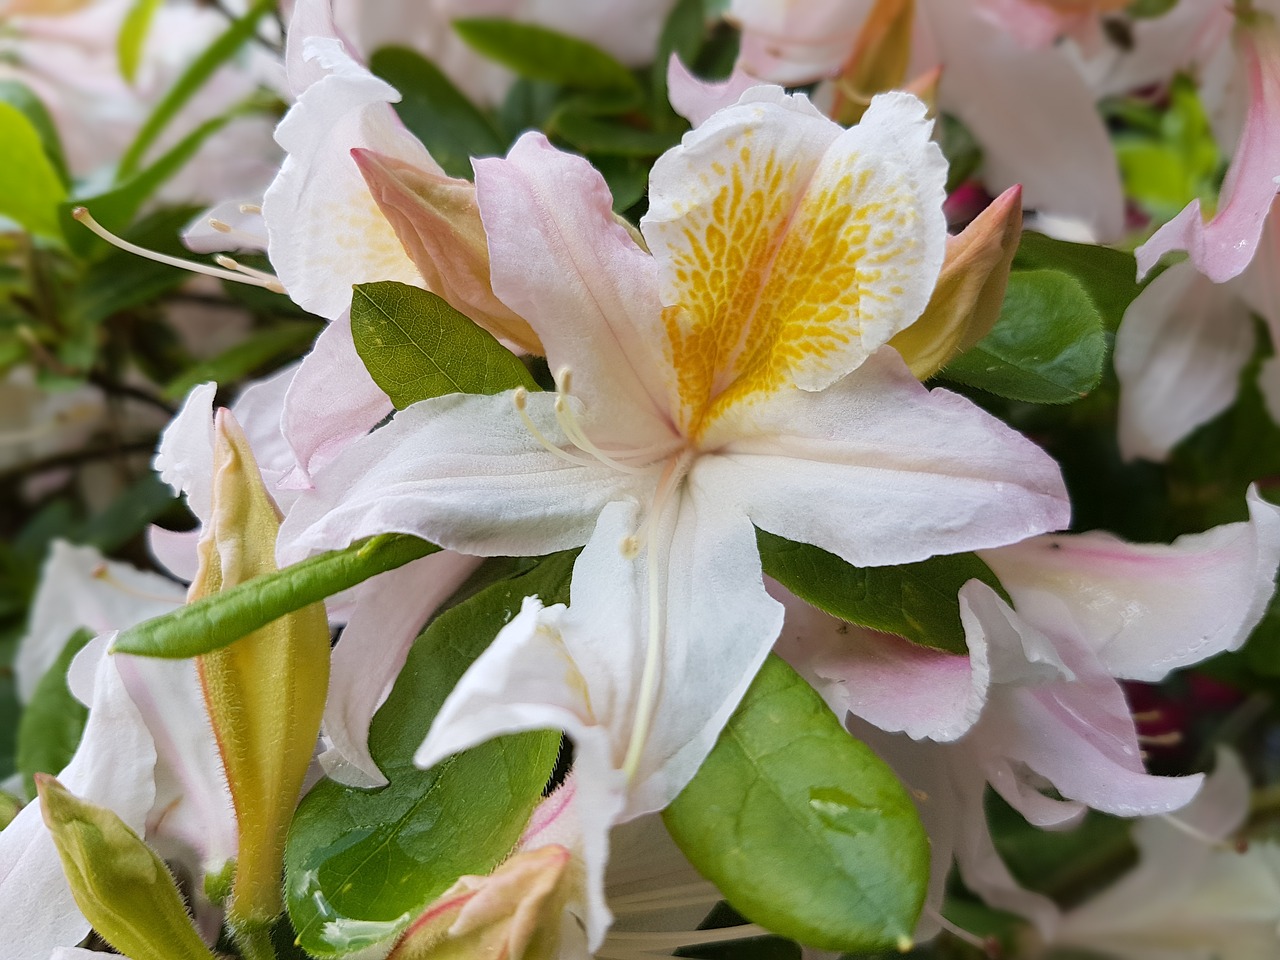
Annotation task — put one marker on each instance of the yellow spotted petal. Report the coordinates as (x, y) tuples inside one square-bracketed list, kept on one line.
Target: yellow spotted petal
[(791, 249)]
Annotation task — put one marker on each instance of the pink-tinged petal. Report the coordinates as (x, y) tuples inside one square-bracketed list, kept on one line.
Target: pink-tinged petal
[(1146, 907), (112, 767), (175, 551), (796, 43), (330, 402), (900, 686), (193, 806), (696, 99), (528, 680), (80, 589), (389, 612), (947, 784), (1018, 103), (462, 471), (1259, 284), (903, 473), (184, 458), (1034, 25), (790, 248), (259, 409), (1223, 247), (1178, 356), (560, 260), (326, 232), (1077, 734), (1146, 609)]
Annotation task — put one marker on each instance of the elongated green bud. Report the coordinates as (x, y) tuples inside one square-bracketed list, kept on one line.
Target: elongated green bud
[(266, 691), (124, 890)]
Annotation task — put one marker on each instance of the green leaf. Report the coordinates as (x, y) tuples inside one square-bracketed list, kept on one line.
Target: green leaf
[(360, 865), (133, 36), (541, 54), (416, 346), (1108, 276), (803, 828), (591, 134), (189, 83), (223, 618), (682, 34), (436, 112), (262, 347), (53, 721), (1047, 347), (918, 601), (30, 188), (20, 96)]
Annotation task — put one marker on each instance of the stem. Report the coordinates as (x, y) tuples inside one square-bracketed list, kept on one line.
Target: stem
[(254, 943)]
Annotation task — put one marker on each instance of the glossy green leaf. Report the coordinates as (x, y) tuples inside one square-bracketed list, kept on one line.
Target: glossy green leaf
[(133, 36), (20, 96), (1108, 276), (223, 618), (191, 82), (436, 112), (361, 864), (53, 721), (1047, 347), (541, 54), (274, 345), (30, 188), (591, 134), (416, 346), (918, 601), (803, 828)]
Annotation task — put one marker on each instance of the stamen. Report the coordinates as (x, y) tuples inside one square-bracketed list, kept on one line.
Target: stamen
[(219, 225), (1170, 739), (250, 208), (960, 933), (648, 696), (257, 279), (520, 399), (1197, 833), (223, 260), (573, 430)]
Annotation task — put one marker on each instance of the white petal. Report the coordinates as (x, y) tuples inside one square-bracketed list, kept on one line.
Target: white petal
[(464, 472), (81, 590), (561, 261), (112, 767), (1146, 609), (1179, 353), (184, 458), (902, 473), (389, 612)]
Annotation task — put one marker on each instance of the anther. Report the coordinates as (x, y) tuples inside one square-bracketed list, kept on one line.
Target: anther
[(219, 225), (630, 546), (241, 275), (250, 208), (520, 400)]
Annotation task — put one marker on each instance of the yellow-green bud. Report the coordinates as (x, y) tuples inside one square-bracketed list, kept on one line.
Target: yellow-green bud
[(124, 890), (966, 301), (266, 691)]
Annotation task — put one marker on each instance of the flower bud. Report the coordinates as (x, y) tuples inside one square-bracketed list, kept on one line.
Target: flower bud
[(967, 299), (266, 691), (879, 60), (124, 890), (438, 223), (514, 913)]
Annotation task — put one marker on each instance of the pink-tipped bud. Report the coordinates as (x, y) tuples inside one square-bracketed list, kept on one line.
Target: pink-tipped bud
[(966, 301)]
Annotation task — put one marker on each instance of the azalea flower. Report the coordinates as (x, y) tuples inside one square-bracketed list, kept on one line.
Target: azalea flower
[(1183, 344), (1224, 246), (1026, 103), (1192, 894), (1088, 609), (733, 377)]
